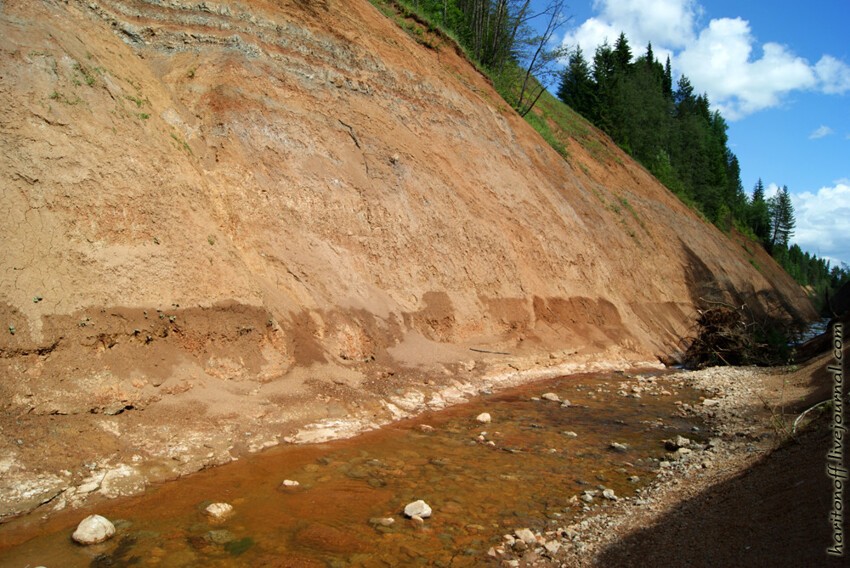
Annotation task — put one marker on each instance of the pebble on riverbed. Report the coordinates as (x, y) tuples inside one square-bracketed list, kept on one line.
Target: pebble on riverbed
[(484, 417), (618, 447), (290, 483), (219, 511), (419, 509), (551, 396), (382, 521), (526, 536), (93, 529)]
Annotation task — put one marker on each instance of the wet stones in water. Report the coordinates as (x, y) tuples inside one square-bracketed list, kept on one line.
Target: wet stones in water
[(419, 509), (426, 428), (93, 529), (358, 472), (618, 447), (381, 521), (609, 494), (551, 397), (570, 434), (329, 539), (219, 511), (219, 537), (289, 485), (484, 417), (237, 547), (121, 555)]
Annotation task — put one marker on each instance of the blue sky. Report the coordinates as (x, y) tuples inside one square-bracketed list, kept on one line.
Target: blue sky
[(779, 72)]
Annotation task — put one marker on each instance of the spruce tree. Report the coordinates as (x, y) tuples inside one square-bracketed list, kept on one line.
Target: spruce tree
[(604, 77), (622, 53), (576, 88), (759, 215), (782, 219), (667, 85)]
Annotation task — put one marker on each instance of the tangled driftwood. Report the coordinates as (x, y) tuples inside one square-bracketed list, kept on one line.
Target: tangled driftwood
[(729, 335)]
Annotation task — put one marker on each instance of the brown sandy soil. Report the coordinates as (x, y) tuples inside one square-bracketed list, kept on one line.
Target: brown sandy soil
[(224, 221), (754, 496)]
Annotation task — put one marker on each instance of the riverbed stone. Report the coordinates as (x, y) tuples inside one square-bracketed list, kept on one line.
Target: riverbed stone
[(219, 511), (550, 396), (418, 508), (381, 521), (220, 536), (484, 417), (609, 494), (618, 447), (526, 536), (290, 483), (93, 529)]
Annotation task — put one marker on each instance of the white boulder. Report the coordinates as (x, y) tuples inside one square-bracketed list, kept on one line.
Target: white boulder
[(419, 509), (219, 511), (93, 529)]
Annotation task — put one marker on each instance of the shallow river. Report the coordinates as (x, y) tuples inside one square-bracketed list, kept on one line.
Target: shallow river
[(542, 454)]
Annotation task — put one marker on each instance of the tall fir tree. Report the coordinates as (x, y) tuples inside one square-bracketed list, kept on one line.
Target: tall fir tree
[(667, 85), (759, 214), (782, 219), (576, 88), (622, 53)]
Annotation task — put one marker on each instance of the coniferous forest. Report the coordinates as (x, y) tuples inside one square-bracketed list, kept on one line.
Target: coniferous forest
[(673, 132)]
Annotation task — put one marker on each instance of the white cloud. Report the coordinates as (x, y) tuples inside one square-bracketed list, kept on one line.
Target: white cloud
[(720, 62), (722, 58), (668, 24), (770, 190), (833, 74), (823, 221), (820, 132)]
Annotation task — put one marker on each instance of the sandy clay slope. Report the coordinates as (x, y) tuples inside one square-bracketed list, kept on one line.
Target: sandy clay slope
[(223, 221)]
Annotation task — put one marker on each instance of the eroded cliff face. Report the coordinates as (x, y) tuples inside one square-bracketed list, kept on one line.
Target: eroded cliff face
[(224, 220)]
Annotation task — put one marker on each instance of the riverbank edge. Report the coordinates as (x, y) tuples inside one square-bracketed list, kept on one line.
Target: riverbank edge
[(740, 412), (43, 494)]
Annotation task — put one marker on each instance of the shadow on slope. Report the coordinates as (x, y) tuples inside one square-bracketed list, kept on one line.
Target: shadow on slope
[(776, 513)]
